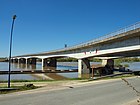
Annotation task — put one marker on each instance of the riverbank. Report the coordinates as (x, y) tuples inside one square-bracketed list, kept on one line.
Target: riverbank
[(47, 86)]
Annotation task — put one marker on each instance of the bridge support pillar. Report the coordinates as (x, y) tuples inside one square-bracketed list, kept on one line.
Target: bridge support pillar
[(12, 61), (26, 61), (15, 60), (31, 61), (52, 62), (22, 60), (109, 65), (44, 62), (83, 68), (19, 61)]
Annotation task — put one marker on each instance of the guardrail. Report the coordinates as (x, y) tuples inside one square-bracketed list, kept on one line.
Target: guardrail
[(123, 30), (120, 31)]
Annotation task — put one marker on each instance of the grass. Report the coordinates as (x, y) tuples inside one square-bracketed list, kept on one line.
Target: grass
[(114, 77), (17, 81), (13, 81), (29, 83), (18, 88)]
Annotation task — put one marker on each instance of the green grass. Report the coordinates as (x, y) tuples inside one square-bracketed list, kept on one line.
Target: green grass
[(27, 86), (116, 77), (18, 88), (13, 81)]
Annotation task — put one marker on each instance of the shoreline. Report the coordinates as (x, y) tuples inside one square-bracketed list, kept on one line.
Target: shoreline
[(65, 84)]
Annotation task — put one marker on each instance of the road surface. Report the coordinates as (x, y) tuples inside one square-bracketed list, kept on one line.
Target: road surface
[(115, 92)]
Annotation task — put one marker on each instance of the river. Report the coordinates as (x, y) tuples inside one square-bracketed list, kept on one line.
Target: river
[(60, 66), (15, 67)]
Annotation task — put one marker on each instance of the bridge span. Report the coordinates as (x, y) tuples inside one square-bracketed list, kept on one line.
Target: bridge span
[(121, 43)]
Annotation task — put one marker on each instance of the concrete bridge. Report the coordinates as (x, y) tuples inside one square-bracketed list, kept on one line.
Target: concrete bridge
[(122, 43)]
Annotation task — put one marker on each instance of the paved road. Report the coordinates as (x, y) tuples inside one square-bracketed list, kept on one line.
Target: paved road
[(108, 93)]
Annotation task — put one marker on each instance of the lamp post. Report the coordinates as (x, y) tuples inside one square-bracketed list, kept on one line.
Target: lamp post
[(11, 37)]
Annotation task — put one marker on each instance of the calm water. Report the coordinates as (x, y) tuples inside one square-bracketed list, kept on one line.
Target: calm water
[(60, 66), (134, 66), (15, 67)]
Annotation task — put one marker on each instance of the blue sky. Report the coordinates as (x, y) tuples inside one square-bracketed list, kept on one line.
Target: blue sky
[(44, 25)]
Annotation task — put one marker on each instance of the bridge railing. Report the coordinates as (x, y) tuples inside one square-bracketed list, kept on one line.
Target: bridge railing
[(123, 30), (116, 33)]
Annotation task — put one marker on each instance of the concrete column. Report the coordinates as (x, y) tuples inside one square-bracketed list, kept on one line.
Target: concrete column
[(52, 62), (33, 61), (26, 61), (80, 68), (19, 60), (44, 62), (15, 60), (22, 60), (109, 65), (12, 60), (83, 68)]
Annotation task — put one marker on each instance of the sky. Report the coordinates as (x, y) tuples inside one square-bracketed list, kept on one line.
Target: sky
[(45, 25)]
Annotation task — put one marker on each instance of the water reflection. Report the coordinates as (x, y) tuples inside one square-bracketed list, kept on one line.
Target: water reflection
[(19, 66), (54, 76), (15, 65), (60, 66), (48, 68), (23, 67)]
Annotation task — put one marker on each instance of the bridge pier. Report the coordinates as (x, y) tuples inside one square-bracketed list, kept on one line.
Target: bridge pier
[(28, 61), (31, 61), (22, 60), (109, 65), (15, 60), (44, 62), (12, 60), (83, 68), (52, 62)]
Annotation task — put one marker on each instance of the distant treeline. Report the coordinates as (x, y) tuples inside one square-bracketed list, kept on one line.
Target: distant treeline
[(129, 59), (75, 60), (3, 59), (67, 60)]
